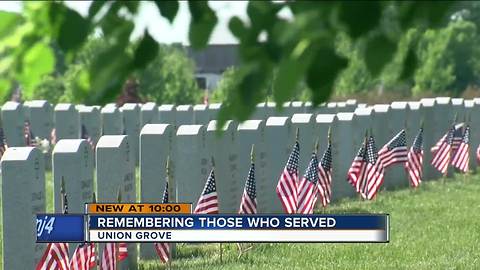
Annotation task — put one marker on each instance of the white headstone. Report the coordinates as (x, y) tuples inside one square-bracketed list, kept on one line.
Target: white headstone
[(116, 171), (459, 108), (305, 122), (248, 133), (112, 120), (167, 115), (184, 115), (225, 154), (200, 114), (148, 113), (13, 119), (344, 151), (131, 124), (40, 115), (431, 135), (156, 145), (23, 196), (67, 121), (73, 161), (190, 150), (363, 121), (279, 140), (90, 119)]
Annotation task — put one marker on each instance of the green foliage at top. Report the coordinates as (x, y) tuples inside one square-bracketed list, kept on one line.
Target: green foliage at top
[(292, 52), (449, 57), (169, 78)]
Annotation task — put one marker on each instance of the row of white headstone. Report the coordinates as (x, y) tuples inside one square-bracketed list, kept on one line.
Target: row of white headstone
[(68, 119), (190, 148)]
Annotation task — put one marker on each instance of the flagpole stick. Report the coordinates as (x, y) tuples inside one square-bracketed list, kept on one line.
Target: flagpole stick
[(119, 200), (97, 246), (219, 244)]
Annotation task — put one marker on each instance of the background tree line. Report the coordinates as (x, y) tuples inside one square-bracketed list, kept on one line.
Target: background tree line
[(335, 48)]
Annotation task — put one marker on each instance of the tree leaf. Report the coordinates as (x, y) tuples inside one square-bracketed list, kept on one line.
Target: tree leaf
[(378, 53), (168, 9), (145, 52), (38, 61), (237, 27), (107, 77), (8, 21), (95, 7), (323, 71), (71, 28), (409, 65), (360, 16), (291, 71), (202, 23)]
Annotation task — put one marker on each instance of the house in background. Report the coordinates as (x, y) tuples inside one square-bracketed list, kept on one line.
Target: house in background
[(211, 62)]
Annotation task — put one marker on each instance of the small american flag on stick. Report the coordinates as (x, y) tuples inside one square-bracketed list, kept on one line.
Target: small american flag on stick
[(87, 137), (478, 154), (307, 188), (56, 255), (109, 257), (374, 173), (395, 151), (28, 134), (414, 164), (287, 184), (357, 169), (163, 249), (325, 174), (457, 139), (122, 248), (461, 158), (442, 156), (84, 257), (208, 201), (248, 205)]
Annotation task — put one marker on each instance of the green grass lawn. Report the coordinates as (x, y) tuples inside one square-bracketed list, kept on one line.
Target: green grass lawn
[(435, 227)]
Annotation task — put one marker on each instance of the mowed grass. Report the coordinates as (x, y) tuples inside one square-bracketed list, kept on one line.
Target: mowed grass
[(434, 227)]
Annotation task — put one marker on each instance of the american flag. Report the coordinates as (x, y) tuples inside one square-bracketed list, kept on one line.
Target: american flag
[(442, 156), (325, 176), (56, 255), (163, 249), (3, 144), (109, 257), (208, 201), (54, 258), (307, 188), (122, 251), (287, 184), (84, 257), (28, 134), (87, 137), (357, 169), (248, 204), (53, 136), (457, 139), (374, 173), (395, 151), (461, 158), (414, 164), (478, 154)]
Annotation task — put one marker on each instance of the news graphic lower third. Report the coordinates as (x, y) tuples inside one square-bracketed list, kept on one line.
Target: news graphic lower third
[(116, 223)]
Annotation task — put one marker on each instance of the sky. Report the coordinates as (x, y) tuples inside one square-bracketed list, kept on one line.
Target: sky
[(159, 27)]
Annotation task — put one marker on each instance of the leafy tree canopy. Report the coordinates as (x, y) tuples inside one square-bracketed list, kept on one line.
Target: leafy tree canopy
[(298, 50)]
